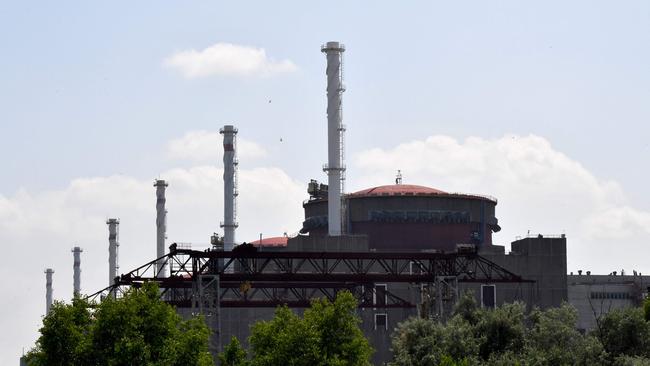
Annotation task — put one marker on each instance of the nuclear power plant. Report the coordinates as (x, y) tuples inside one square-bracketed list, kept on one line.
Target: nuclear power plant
[(402, 250)]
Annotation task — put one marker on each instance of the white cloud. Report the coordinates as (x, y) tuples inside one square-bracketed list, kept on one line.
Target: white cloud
[(226, 59), (539, 189), (208, 146), (38, 230)]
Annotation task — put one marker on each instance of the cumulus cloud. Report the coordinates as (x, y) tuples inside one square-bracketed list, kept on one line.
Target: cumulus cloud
[(539, 189), (38, 230), (226, 59), (208, 146)]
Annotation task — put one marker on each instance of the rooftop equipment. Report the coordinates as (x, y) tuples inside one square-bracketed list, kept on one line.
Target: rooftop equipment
[(161, 225), (335, 131), (113, 246), (76, 274)]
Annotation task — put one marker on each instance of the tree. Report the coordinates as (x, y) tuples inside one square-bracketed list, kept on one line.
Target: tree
[(233, 355), (508, 336), (340, 341), (64, 335), (554, 340), (425, 342), (501, 330), (328, 334), (136, 329), (625, 332)]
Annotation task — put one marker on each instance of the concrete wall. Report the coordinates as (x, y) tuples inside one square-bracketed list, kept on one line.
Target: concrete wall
[(542, 259), (596, 295), (347, 243)]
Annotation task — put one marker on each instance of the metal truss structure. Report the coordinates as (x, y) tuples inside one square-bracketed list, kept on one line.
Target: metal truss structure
[(207, 281), (247, 277)]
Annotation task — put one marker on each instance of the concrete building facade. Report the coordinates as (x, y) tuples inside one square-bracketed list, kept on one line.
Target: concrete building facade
[(596, 295)]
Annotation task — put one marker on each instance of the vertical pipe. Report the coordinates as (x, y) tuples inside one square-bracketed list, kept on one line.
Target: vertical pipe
[(334, 53), (482, 225), (48, 290), (76, 274), (161, 225), (230, 193), (113, 245)]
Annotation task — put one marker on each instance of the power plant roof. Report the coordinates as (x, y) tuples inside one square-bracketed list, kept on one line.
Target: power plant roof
[(278, 241), (397, 190), (413, 190)]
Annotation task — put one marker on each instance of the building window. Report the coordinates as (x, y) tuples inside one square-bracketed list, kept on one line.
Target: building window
[(611, 295), (380, 297), (488, 296), (381, 321)]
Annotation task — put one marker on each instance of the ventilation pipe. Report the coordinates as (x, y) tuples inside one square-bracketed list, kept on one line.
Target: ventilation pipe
[(335, 129), (48, 290), (230, 193), (113, 246), (76, 274), (161, 225)]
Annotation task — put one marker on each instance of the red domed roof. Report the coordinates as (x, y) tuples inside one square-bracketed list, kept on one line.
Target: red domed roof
[(278, 241), (398, 190)]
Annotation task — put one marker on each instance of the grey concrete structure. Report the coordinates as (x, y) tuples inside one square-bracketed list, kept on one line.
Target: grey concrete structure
[(48, 289), (596, 295), (541, 258), (113, 247), (230, 193), (76, 271), (334, 168), (161, 223)]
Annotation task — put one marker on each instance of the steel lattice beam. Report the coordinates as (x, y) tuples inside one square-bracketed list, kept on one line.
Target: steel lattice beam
[(294, 278)]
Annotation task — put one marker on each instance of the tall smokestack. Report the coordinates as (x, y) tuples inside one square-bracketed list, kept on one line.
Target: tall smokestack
[(335, 168), (48, 289), (113, 245), (76, 274), (161, 225), (230, 193)]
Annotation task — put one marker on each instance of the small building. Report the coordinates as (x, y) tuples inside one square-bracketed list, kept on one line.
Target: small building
[(596, 295)]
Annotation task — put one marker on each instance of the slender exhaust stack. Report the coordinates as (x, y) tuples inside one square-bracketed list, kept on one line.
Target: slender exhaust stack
[(113, 246), (161, 225), (230, 193), (335, 129), (48, 290), (76, 274)]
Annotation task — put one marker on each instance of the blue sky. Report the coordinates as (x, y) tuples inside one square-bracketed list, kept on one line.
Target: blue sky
[(544, 105), (85, 91)]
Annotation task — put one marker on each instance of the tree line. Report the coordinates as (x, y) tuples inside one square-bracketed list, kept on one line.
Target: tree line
[(508, 335), (140, 329)]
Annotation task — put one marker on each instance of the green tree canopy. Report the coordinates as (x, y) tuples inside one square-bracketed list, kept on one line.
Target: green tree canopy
[(233, 354), (625, 332), (508, 336), (328, 334), (136, 329)]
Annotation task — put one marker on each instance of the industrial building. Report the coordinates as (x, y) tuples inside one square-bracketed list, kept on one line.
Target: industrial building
[(594, 295), (403, 250)]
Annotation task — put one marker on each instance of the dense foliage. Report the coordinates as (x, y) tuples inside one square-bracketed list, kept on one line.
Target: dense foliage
[(328, 334), (136, 329), (509, 336)]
